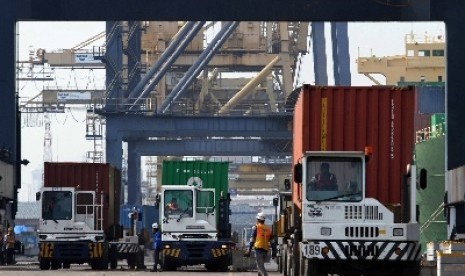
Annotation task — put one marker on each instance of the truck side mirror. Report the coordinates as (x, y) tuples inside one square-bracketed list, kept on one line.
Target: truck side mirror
[(298, 173), (287, 184), (275, 202), (423, 177), (37, 196), (157, 200)]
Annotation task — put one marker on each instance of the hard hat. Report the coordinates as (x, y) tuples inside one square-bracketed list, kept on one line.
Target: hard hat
[(155, 225), (261, 216)]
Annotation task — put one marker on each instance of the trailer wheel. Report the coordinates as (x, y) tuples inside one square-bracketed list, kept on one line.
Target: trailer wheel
[(44, 265)]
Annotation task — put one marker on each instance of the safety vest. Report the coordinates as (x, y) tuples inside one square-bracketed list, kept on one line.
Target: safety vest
[(262, 239), (10, 241)]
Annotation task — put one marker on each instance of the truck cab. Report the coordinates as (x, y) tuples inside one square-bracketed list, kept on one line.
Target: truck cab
[(71, 225), (188, 212), (68, 213), (340, 225), (193, 228)]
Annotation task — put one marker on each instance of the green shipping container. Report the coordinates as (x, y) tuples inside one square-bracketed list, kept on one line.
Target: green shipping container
[(214, 175)]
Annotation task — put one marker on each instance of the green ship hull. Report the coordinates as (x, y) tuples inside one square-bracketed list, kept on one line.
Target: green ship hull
[(430, 155)]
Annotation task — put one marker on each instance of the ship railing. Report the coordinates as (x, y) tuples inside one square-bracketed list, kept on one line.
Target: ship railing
[(430, 132)]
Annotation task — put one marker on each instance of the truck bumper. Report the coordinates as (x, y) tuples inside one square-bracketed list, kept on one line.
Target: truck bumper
[(197, 252), (73, 252), (361, 250)]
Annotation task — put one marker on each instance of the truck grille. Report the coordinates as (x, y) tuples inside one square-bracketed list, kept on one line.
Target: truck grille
[(353, 212), (372, 213), (362, 232), (71, 249), (196, 250)]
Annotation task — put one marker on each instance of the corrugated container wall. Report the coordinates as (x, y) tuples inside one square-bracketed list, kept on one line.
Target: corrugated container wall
[(98, 177), (350, 118), (431, 99), (213, 174)]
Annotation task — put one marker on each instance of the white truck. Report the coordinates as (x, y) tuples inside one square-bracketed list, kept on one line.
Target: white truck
[(193, 206), (80, 207), (344, 232)]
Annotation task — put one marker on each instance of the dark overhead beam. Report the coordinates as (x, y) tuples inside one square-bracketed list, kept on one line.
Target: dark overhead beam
[(230, 10)]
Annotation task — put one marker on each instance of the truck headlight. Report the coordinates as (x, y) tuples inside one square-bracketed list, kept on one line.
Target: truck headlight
[(398, 232), (224, 246), (98, 238), (42, 237), (167, 246), (325, 231)]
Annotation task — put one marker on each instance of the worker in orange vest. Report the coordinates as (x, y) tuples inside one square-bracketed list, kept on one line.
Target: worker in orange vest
[(260, 240), (10, 246)]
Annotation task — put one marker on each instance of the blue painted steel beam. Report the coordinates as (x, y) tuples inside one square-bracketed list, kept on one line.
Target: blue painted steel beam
[(319, 53), (213, 147), (341, 57), (134, 177), (113, 63), (169, 56), (133, 52), (138, 127), (199, 64)]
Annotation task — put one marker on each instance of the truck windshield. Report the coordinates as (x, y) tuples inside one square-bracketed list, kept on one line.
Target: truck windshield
[(334, 179), (57, 205), (178, 203)]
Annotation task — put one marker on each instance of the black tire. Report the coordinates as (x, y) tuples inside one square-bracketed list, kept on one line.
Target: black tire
[(113, 262), (410, 269), (113, 256), (132, 260), (313, 268), (55, 265), (167, 265), (66, 265), (219, 266), (44, 265)]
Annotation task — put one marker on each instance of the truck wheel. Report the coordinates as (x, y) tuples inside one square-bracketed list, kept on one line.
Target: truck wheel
[(66, 265), (132, 260), (113, 263), (113, 256), (410, 268), (44, 265), (55, 265), (312, 268)]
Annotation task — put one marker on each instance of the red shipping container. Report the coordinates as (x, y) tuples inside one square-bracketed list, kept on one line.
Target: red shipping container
[(98, 177), (350, 118)]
